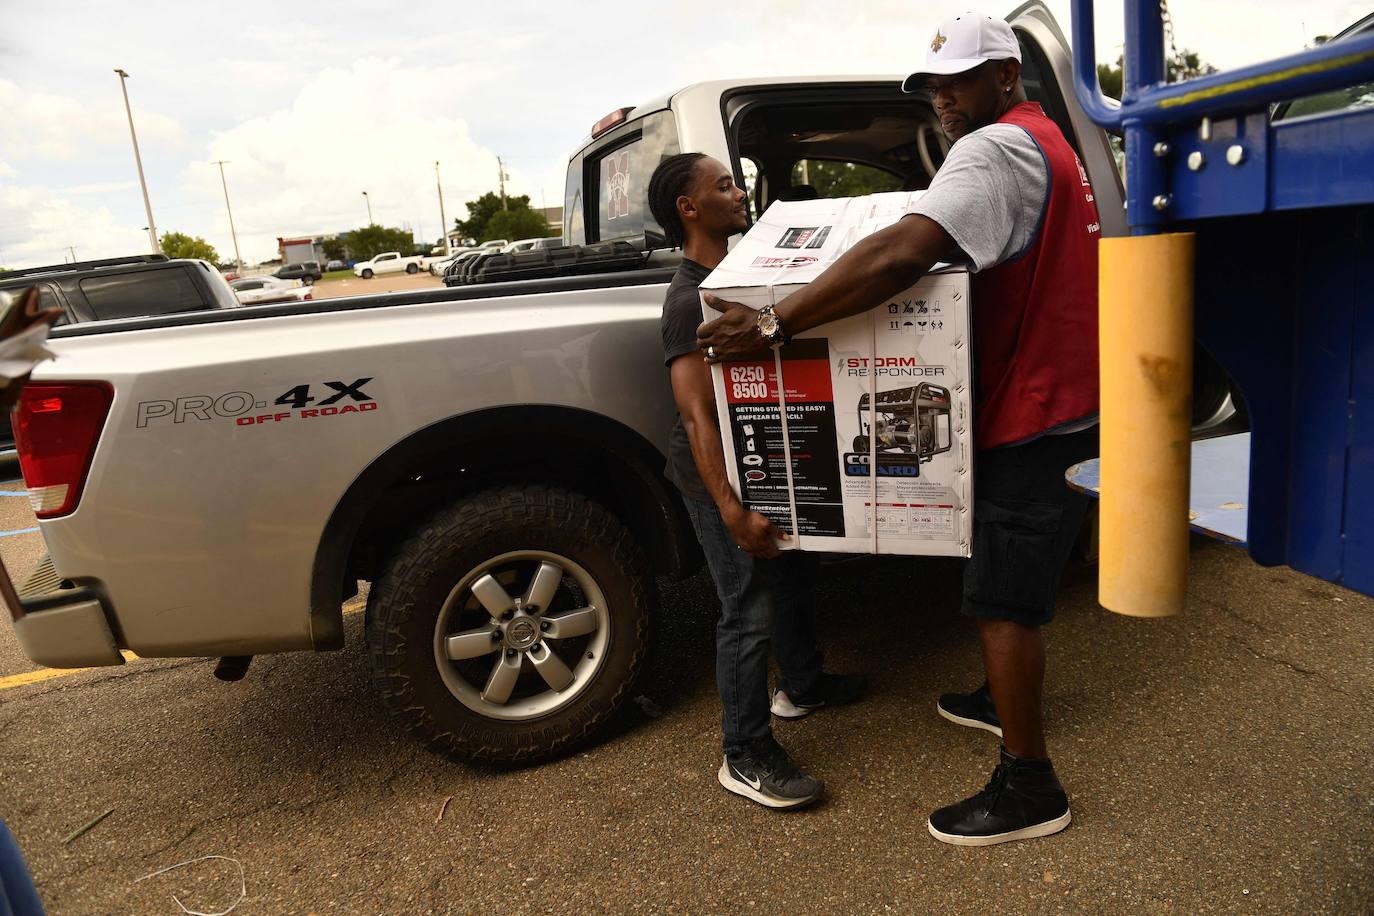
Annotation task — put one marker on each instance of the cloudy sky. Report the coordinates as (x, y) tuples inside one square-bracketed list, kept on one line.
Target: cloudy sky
[(312, 104)]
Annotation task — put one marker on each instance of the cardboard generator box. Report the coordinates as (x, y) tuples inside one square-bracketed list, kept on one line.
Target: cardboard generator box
[(888, 390)]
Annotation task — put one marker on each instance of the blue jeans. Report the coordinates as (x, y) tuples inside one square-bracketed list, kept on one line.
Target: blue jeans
[(760, 600), (17, 896)]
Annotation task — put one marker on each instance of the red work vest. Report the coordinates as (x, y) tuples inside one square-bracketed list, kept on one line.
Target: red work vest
[(1035, 316)]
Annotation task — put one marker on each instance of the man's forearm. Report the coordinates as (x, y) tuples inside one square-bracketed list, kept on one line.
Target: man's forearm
[(875, 269), (710, 461)]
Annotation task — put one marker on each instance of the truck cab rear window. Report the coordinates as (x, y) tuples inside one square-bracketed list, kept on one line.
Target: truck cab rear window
[(146, 292), (618, 174), (622, 181)]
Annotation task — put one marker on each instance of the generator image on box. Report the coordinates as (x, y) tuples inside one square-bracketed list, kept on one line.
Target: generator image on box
[(911, 421)]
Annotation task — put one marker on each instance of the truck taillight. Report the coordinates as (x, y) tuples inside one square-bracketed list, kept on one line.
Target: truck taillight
[(56, 429)]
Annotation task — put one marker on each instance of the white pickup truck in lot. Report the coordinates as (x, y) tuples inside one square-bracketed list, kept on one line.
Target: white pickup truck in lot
[(391, 262), (489, 457)]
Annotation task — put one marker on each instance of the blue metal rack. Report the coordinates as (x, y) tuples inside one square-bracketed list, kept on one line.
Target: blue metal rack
[(1206, 147), (1283, 212)]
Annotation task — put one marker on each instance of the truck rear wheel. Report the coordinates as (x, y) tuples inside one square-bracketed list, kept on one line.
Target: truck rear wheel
[(412, 269), (512, 625), (367, 273)]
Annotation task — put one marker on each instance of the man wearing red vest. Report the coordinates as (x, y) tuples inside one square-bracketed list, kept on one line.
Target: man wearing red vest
[(1012, 202)]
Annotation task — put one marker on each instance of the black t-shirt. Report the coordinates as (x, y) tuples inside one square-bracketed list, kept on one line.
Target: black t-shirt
[(681, 317)]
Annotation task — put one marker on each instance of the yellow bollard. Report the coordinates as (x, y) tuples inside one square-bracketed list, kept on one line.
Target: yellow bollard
[(1146, 332)]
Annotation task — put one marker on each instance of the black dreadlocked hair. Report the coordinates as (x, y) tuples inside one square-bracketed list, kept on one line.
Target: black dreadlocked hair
[(670, 181)]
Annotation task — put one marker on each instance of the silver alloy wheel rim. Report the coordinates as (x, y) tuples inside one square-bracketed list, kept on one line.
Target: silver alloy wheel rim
[(509, 642)]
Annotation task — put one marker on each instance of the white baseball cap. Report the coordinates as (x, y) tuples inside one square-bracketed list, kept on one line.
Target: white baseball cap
[(962, 43)]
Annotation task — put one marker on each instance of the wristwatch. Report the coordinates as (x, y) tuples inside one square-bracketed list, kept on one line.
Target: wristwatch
[(770, 328)]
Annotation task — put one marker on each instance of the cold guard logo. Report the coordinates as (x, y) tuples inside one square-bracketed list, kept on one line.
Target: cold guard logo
[(856, 465)]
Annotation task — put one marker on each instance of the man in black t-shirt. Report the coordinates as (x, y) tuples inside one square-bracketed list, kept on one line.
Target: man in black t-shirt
[(765, 593)]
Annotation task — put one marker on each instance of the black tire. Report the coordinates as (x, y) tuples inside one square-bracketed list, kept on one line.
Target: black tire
[(861, 444), (367, 273), (412, 269), (308, 281), (406, 604)]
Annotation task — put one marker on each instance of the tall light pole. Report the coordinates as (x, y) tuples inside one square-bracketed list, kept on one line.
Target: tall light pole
[(238, 261), (502, 176), (368, 201), (443, 220), (138, 160)]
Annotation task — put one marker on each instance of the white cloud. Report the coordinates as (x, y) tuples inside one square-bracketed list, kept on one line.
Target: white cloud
[(49, 226), (377, 127), (43, 125)]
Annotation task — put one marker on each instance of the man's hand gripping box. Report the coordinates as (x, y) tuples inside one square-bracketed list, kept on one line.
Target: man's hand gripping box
[(887, 390)]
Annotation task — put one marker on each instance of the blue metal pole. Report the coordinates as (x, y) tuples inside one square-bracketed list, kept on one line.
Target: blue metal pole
[(1147, 150)]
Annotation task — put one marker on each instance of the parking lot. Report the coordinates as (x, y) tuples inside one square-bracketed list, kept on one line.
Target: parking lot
[(385, 283), (1217, 762)]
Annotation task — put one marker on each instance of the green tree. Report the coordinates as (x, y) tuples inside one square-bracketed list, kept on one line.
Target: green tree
[(1184, 65), (372, 240), (512, 225), (335, 249), (181, 245), (487, 219)]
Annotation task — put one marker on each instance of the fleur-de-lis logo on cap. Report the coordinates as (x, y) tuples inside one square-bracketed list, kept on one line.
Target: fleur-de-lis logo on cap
[(938, 42)]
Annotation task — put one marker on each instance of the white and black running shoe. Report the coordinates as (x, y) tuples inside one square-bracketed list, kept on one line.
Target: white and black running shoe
[(1022, 800), (975, 710), (829, 690), (770, 778)]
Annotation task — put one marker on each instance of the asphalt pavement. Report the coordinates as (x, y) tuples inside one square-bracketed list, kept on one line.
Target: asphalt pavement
[(1218, 761)]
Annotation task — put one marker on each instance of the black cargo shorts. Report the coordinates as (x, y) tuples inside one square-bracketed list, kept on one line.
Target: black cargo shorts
[(1026, 520)]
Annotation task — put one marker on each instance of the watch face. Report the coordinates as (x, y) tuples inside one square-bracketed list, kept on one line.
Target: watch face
[(768, 325)]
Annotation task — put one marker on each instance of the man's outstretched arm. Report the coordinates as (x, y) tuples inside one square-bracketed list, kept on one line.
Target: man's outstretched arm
[(880, 266)]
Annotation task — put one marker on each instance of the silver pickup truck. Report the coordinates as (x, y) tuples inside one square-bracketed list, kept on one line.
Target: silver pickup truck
[(488, 457)]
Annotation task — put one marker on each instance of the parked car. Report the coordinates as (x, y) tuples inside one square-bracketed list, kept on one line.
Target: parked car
[(130, 287), (257, 290), (305, 271), (391, 262), (334, 265)]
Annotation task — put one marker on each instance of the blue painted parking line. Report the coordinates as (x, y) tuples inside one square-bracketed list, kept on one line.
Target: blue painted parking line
[(10, 534), (14, 492)]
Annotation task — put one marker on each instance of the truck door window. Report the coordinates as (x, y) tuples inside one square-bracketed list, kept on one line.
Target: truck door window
[(144, 292), (857, 138), (839, 179)]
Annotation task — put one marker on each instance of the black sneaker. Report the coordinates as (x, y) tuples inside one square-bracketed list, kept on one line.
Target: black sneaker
[(770, 778), (829, 690), (972, 709), (1023, 800)]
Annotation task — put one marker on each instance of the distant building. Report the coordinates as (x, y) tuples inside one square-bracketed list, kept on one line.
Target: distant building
[(293, 251)]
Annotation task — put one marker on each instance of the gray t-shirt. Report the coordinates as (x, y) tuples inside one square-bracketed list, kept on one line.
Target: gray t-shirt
[(989, 194)]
